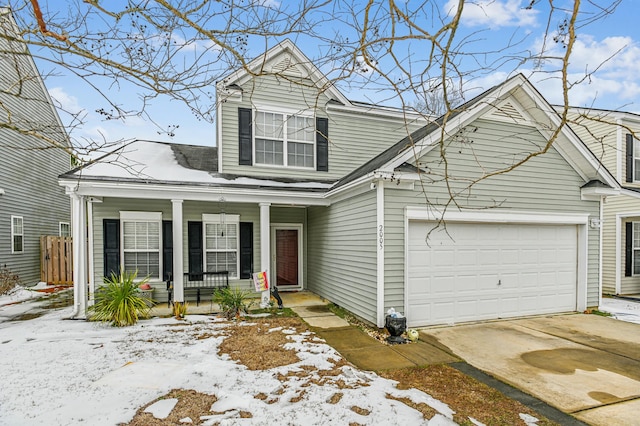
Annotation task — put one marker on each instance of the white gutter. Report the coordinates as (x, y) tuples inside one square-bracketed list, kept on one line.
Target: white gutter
[(195, 193)]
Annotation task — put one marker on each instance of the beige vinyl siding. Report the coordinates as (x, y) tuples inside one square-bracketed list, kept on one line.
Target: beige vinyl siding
[(29, 166), (544, 184), (600, 134), (630, 208), (353, 138), (633, 126), (191, 211), (342, 254)]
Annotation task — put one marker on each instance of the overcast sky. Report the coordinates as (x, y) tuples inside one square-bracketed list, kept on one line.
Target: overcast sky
[(615, 84)]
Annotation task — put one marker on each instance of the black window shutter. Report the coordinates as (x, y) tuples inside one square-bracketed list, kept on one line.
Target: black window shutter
[(111, 242), (167, 249), (245, 147), (194, 231), (629, 177), (246, 249), (628, 249), (322, 144)]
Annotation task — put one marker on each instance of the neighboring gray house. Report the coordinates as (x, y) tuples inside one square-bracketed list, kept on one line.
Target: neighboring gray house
[(614, 137), (348, 200), (31, 202)]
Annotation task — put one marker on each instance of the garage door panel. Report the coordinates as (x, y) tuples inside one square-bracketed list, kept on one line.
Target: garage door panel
[(535, 264), (466, 284)]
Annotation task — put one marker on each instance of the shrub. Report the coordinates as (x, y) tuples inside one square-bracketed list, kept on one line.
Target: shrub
[(8, 280), (232, 302), (119, 301), (180, 309)]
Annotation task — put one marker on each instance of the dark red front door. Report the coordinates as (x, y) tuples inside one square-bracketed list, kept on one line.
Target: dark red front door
[(287, 257)]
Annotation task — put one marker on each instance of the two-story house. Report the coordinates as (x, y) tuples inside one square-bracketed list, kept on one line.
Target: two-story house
[(33, 153), (614, 137), (353, 202)]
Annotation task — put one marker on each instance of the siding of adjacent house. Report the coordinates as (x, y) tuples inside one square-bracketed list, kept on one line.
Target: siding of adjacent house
[(606, 137), (544, 184), (600, 134), (630, 208), (354, 138), (342, 253), (29, 166)]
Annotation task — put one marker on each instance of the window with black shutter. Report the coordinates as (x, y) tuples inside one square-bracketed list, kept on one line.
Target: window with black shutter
[(111, 246), (194, 231), (322, 144), (246, 249), (167, 250)]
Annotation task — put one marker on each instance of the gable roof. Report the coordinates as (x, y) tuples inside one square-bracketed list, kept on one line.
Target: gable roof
[(424, 139), (288, 63)]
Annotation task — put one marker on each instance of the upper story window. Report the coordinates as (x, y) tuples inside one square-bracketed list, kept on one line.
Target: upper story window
[(636, 160), (17, 234), (284, 140), (280, 138)]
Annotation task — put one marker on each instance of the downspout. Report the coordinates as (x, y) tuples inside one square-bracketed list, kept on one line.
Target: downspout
[(379, 185), (602, 201)]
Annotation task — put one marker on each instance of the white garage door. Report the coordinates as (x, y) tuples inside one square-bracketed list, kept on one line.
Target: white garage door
[(476, 271)]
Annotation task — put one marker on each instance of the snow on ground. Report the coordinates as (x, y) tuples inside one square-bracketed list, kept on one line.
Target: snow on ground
[(20, 294), (622, 309), (57, 371)]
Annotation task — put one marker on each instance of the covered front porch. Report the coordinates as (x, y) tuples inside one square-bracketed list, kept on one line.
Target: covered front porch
[(158, 237)]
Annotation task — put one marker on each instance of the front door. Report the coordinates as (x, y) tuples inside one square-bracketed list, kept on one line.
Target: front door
[(287, 256)]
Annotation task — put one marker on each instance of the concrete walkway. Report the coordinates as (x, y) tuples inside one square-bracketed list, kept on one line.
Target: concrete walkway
[(355, 345)]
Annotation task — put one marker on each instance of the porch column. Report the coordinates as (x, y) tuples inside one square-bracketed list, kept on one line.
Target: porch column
[(78, 225), (90, 267), (178, 268), (265, 250), (380, 254)]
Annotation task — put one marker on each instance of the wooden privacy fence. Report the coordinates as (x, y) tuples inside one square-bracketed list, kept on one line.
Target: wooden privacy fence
[(56, 266)]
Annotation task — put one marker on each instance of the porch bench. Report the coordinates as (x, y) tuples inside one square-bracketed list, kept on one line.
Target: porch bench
[(205, 283)]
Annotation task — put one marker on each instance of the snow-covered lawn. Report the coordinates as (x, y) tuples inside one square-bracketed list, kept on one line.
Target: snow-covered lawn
[(57, 371), (66, 372)]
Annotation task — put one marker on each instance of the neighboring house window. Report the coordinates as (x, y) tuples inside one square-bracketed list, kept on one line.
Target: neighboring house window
[(65, 229), (221, 240), (632, 161), (284, 139), (636, 160), (141, 243), (636, 248), (17, 234)]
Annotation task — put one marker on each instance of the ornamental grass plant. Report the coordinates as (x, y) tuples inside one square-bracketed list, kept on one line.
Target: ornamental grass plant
[(119, 301), (232, 301)]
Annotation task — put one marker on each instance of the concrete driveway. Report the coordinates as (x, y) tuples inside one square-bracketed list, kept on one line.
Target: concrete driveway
[(584, 365)]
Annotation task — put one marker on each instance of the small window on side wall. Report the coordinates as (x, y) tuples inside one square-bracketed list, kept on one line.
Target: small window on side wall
[(64, 229), (17, 234)]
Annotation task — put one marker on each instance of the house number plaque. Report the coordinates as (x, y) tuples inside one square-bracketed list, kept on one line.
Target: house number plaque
[(381, 236)]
